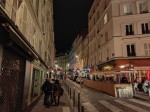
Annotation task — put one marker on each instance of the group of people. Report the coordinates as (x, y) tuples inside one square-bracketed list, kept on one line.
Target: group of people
[(53, 91), (141, 85)]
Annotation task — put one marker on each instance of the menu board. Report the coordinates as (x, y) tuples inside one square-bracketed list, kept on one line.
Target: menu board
[(125, 92)]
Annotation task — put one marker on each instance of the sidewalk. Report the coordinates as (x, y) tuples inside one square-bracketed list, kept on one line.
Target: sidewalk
[(142, 96), (138, 95), (64, 105)]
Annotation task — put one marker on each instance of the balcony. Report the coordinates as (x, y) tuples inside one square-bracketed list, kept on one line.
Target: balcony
[(128, 13), (145, 11), (130, 33)]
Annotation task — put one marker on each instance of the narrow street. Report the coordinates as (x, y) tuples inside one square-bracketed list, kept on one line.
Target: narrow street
[(49, 47), (99, 102)]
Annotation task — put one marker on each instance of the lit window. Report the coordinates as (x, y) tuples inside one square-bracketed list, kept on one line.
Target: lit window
[(127, 9), (105, 18), (142, 7)]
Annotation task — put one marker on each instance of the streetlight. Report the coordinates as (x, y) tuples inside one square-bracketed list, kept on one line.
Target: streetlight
[(68, 64), (56, 65)]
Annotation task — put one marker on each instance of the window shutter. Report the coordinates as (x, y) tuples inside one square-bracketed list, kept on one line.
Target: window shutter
[(149, 49), (146, 27), (145, 45), (131, 29)]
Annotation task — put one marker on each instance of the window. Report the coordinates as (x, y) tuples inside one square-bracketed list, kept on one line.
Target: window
[(142, 7), (147, 49), (105, 18), (127, 8), (131, 50), (107, 54), (129, 30), (3, 2), (19, 3), (145, 28)]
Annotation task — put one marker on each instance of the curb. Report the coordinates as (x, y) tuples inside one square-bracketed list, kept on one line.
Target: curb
[(141, 98)]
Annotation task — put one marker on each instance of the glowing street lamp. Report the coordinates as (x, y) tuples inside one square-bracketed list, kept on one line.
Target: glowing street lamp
[(77, 56), (56, 65)]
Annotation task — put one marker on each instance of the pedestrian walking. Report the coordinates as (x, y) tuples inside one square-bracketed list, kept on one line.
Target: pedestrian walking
[(58, 92), (81, 81), (48, 89)]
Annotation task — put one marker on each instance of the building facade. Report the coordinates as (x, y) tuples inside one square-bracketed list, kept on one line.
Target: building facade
[(85, 51), (26, 51), (71, 58), (62, 62), (118, 37)]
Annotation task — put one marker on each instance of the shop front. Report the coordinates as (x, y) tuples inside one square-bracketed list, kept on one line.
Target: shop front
[(110, 83), (15, 53)]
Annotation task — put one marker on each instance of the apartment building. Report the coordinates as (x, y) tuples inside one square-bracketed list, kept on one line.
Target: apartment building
[(85, 50), (26, 51), (78, 50), (119, 35), (62, 62), (71, 58)]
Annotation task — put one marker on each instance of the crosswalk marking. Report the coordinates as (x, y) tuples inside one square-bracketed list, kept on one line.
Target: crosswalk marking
[(142, 103), (110, 106), (89, 107), (65, 109), (138, 109)]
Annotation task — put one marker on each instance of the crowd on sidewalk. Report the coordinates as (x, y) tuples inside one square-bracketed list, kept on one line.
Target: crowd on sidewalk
[(52, 92), (142, 85)]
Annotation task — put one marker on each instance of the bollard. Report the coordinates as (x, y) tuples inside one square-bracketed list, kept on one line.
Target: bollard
[(70, 93), (82, 109), (78, 101), (74, 97)]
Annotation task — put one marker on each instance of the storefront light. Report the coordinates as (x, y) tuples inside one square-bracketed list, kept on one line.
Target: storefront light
[(77, 56), (52, 71), (56, 65), (122, 66)]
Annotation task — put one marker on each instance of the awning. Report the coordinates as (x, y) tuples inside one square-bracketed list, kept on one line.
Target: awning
[(17, 37)]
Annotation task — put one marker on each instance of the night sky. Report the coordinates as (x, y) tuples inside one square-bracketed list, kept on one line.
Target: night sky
[(70, 17)]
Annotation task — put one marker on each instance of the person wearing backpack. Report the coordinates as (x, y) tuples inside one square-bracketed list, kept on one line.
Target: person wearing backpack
[(58, 92), (48, 90)]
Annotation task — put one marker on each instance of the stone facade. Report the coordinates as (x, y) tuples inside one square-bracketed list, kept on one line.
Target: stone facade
[(31, 23), (116, 30)]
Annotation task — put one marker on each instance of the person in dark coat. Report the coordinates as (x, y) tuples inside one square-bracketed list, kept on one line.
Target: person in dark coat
[(48, 90), (124, 80), (57, 92)]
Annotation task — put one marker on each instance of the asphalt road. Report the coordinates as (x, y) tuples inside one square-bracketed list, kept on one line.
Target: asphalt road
[(94, 101)]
